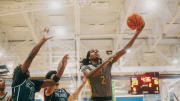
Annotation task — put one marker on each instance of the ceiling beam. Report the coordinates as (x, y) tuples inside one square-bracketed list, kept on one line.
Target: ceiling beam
[(166, 27), (30, 25), (77, 42), (12, 8)]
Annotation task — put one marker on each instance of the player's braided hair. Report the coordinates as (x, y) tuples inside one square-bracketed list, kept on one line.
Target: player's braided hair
[(87, 61)]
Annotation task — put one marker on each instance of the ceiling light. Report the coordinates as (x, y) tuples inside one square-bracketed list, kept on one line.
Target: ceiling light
[(175, 61), (10, 65), (54, 5), (151, 5), (60, 30), (1, 54), (128, 51)]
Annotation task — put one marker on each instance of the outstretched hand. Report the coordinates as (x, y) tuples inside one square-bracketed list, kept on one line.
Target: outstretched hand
[(64, 61), (46, 37)]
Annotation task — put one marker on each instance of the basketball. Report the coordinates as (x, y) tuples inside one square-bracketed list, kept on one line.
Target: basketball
[(135, 22)]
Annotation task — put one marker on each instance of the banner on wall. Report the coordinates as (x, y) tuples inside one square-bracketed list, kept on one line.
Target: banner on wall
[(130, 98)]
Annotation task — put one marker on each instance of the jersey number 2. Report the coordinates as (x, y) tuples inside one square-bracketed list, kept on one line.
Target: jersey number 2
[(103, 80)]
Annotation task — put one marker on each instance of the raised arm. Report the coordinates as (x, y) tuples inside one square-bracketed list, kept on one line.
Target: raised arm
[(34, 52), (115, 57), (62, 66), (73, 96), (60, 70), (131, 42)]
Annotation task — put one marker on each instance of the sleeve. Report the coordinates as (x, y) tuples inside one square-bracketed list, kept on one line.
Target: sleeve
[(18, 77), (38, 84), (87, 68), (84, 69)]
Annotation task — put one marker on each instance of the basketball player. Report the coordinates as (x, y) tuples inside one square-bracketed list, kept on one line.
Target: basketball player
[(4, 96), (99, 75), (53, 93), (23, 88)]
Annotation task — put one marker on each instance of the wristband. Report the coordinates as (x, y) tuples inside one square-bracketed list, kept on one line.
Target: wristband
[(55, 78)]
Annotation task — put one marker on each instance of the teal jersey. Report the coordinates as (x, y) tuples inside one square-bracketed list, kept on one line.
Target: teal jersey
[(24, 89), (57, 95)]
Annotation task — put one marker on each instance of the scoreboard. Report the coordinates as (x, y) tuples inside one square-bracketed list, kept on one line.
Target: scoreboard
[(147, 83)]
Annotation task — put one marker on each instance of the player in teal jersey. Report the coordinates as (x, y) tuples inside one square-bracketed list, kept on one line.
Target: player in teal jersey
[(54, 93), (24, 88)]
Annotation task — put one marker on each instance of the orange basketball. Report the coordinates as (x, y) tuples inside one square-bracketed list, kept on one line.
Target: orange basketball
[(135, 21)]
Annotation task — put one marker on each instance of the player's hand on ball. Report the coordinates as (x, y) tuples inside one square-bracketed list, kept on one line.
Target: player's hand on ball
[(141, 26)]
